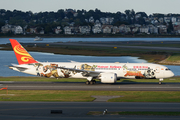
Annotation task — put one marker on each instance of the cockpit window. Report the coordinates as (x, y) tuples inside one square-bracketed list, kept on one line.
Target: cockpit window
[(167, 69)]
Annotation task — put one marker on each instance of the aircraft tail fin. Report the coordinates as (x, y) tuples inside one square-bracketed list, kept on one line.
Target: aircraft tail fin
[(23, 57)]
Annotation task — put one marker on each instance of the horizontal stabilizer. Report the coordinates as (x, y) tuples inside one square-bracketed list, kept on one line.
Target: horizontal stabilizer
[(18, 67)]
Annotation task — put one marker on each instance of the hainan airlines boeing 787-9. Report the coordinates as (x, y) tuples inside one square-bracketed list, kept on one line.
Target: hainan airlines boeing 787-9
[(105, 72)]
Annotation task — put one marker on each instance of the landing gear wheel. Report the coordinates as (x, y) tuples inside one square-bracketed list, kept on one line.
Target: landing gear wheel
[(94, 82), (91, 82), (87, 82), (160, 83)]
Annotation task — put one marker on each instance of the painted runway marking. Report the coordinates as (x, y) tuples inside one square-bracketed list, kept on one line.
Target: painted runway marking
[(91, 87), (6, 81)]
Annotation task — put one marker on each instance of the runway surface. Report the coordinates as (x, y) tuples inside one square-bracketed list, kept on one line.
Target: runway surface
[(99, 44), (118, 44), (79, 110), (97, 86)]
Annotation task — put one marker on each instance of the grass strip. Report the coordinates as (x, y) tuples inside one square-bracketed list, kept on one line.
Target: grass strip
[(85, 96), (41, 79), (149, 113)]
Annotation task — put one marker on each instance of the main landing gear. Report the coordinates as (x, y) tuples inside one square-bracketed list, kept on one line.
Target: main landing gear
[(161, 79), (90, 82)]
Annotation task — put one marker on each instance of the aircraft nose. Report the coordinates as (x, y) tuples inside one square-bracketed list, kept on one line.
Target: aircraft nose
[(172, 74), (168, 74)]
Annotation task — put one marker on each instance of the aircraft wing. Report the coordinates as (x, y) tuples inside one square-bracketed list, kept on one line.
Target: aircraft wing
[(84, 72)]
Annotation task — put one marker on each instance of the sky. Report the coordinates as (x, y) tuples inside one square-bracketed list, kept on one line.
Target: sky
[(148, 6)]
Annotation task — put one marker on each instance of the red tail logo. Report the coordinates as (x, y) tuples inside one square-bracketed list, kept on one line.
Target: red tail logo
[(23, 57)]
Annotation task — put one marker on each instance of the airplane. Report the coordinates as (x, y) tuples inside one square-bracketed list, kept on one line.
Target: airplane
[(105, 72)]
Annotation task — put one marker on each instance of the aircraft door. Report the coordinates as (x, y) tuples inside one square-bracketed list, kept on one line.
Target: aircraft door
[(159, 73), (157, 69), (120, 72)]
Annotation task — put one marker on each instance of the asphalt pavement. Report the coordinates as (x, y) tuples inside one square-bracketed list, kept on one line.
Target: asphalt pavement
[(136, 86), (79, 110)]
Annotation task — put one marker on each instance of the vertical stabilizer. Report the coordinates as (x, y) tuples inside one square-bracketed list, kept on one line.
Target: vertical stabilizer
[(23, 57)]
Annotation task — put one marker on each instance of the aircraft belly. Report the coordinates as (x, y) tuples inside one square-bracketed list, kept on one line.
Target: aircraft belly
[(130, 77), (77, 75), (159, 75)]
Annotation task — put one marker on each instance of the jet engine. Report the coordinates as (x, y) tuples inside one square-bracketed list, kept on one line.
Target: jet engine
[(108, 77)]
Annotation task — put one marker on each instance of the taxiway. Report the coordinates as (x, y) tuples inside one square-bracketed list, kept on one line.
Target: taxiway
[(79, 110), (97, 86)]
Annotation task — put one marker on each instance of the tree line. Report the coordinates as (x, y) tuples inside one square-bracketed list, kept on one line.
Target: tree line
[(49, 20)]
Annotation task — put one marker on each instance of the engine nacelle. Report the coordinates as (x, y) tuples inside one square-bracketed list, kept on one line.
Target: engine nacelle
[(108, 77)]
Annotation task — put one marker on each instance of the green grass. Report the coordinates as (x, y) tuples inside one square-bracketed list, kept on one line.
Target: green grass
[(175, 79), (174, 58), (45, 95), (149, 113), (40, 79), (85, 96), (147, 96), (154, 45)]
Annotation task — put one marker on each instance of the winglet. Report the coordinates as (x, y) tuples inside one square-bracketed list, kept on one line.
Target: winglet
[(23, 57)]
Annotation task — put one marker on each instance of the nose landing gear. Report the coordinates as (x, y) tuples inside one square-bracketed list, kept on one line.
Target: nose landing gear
[(160, 81)]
